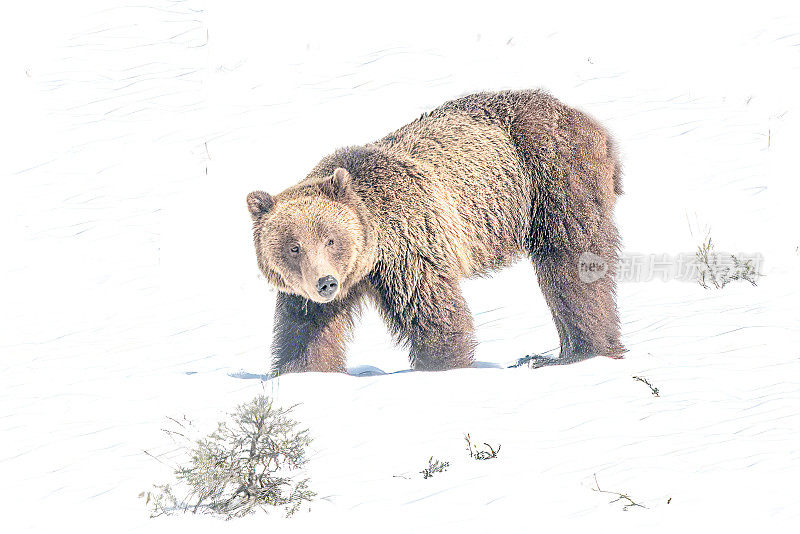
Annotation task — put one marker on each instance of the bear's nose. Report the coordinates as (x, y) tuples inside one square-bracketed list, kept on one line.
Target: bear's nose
[(327, 286)]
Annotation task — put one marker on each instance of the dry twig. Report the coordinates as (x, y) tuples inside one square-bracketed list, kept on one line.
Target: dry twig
[(620, 497), (653, 389)]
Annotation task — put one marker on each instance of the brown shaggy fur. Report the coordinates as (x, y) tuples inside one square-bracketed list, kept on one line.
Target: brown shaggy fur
[(464, 190)]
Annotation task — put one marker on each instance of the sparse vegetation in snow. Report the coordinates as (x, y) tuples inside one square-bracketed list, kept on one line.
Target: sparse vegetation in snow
[(478, 453)]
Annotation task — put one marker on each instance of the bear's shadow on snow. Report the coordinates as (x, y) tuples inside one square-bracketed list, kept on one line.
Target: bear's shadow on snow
[(361, 371)]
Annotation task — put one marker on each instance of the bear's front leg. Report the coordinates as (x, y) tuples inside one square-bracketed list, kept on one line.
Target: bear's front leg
[(434, 318), (309, 336)]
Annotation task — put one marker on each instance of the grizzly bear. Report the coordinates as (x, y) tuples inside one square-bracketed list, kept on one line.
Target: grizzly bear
[(463, 191)]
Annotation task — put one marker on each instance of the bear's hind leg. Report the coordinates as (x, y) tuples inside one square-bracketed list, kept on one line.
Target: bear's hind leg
[(583, 309)]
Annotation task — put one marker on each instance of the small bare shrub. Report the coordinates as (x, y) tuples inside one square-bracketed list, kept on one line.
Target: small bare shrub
[(434, 466), (717, 270), (251, 461)]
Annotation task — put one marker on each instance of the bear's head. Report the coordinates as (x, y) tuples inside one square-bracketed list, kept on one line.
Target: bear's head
[(314, 239)]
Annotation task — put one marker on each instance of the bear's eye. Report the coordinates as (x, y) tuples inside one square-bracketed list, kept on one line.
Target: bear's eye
[(330, 242), (295, 249)]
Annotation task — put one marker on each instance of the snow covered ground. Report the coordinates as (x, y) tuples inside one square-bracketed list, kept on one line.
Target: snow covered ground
[(132, 133)]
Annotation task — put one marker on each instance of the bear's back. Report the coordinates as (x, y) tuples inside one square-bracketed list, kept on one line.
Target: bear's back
[(471, 184)]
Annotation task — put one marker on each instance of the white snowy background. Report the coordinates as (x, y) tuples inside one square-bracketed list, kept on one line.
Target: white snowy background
[(131, 134)]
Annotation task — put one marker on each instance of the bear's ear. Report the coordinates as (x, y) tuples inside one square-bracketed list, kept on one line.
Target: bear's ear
[(259, 203), (337, 186)]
